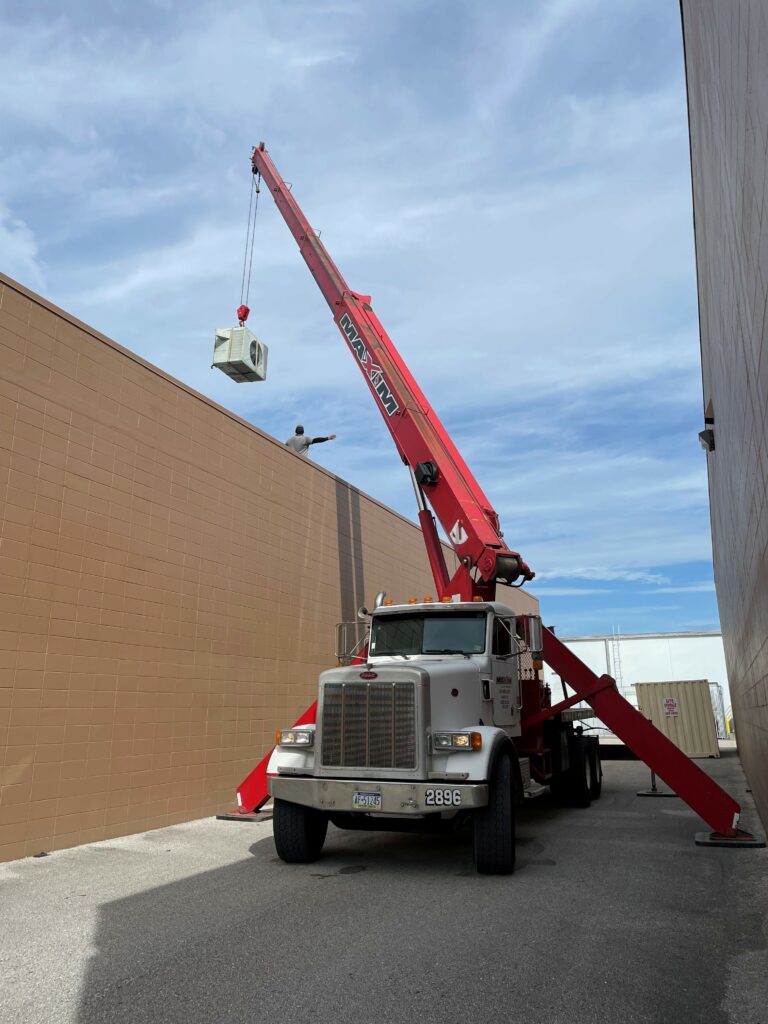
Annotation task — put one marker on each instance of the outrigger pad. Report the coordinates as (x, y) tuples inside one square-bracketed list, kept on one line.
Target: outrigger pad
[(655, 792), (739, 839), (248, 816)]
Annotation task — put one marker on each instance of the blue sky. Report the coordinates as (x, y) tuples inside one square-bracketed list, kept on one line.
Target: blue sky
[(509, 180)]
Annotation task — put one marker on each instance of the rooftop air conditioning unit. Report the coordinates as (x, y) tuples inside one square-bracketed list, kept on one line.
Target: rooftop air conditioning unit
[(240, 354)]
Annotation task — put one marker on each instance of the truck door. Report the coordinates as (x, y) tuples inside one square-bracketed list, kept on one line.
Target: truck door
[(505, 676)]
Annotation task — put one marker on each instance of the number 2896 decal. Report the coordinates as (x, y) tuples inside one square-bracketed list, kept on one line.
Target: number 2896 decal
[(442, 797)]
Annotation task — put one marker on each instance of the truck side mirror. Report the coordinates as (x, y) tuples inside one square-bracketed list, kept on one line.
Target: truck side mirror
[(530, 630)]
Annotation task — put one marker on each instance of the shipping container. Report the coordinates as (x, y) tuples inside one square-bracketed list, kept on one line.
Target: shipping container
[(682, 710)]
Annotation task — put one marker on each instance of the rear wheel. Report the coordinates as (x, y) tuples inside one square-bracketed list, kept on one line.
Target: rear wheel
[(596, 766), (299, 832), (494, 824), (580, 772)]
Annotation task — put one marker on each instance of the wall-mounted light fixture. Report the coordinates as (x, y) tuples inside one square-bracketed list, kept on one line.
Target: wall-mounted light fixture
[(707, 435), (707, 439)]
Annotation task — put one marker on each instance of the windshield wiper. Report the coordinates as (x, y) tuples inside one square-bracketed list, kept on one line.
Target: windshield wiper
[(447, 650)]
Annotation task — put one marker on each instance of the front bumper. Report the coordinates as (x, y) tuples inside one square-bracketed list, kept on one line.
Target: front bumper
[(400, 798)]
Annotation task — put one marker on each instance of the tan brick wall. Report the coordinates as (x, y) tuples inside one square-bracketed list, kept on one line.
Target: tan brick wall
[(726, 44), (170, 580)]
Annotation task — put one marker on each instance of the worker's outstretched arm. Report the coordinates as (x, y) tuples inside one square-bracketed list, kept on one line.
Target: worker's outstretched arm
[(319, 440)]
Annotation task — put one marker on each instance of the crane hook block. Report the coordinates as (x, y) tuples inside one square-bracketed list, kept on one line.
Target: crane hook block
[(242, 314)]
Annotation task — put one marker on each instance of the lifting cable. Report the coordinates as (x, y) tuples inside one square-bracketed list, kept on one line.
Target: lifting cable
[(250, 235)]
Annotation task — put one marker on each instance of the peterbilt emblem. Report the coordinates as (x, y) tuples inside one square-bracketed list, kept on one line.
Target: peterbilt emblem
[(372, 370), (369, 675)]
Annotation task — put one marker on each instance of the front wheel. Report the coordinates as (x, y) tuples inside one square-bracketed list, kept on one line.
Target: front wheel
[(494, 824), (299, 832)]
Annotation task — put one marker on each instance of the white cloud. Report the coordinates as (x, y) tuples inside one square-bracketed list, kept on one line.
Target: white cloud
[(543, 593), (592, 573), (19, 257), (516, 45), (707, 587)]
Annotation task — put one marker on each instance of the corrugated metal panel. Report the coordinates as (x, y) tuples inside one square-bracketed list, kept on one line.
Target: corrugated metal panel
[(682, 710)]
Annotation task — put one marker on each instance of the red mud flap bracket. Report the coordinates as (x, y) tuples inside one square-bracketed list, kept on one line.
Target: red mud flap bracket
[(702, 794)]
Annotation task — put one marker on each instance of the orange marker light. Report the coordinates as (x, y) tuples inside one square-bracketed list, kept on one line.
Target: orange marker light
[(412, 600), (445, 600), (388, 601), (427, 600)]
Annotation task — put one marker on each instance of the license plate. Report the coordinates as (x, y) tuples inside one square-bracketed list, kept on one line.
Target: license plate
[(368, 801)]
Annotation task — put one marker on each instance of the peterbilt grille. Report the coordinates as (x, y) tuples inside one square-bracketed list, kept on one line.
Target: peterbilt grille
[(369, 725)]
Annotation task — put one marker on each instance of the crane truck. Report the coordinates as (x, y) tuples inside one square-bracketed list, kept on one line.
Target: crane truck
[(440, 714)]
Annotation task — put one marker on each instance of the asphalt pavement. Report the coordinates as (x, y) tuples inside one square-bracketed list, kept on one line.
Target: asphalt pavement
[(613, 915)]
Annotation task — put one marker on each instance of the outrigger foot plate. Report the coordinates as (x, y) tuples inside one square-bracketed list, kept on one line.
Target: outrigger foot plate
[(739, 839), (264, 815)]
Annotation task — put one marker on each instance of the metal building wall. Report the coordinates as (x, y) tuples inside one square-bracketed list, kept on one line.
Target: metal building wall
[(726, 42), (653, 657)]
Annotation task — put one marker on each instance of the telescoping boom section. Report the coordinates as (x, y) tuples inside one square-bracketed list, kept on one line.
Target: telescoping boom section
[(443, 481)]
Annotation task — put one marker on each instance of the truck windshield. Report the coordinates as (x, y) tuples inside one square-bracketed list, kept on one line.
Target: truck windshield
[(429, 634)]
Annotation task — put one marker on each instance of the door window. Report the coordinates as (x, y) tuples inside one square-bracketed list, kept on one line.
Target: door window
[(502, 637)]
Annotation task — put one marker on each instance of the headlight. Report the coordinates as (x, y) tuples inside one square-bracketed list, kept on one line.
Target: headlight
[(295, 737), (449, 741)]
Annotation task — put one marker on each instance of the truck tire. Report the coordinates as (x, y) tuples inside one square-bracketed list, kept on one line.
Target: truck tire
[(580, 772), (596, 766), (494, 824), (299, 832)]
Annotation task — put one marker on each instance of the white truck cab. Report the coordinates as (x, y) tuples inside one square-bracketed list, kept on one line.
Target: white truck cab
[(419, 733)]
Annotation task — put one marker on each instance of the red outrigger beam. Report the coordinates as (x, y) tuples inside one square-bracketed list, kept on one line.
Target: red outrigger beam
[(702, 794), (252, 792)]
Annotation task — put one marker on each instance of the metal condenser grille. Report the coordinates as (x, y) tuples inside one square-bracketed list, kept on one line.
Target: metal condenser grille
[(369, 725)]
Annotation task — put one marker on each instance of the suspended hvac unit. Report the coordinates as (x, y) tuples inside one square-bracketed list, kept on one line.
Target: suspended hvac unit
[(240, 354)]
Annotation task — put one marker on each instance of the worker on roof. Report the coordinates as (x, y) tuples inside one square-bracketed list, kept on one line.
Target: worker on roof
[(300, 442)]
